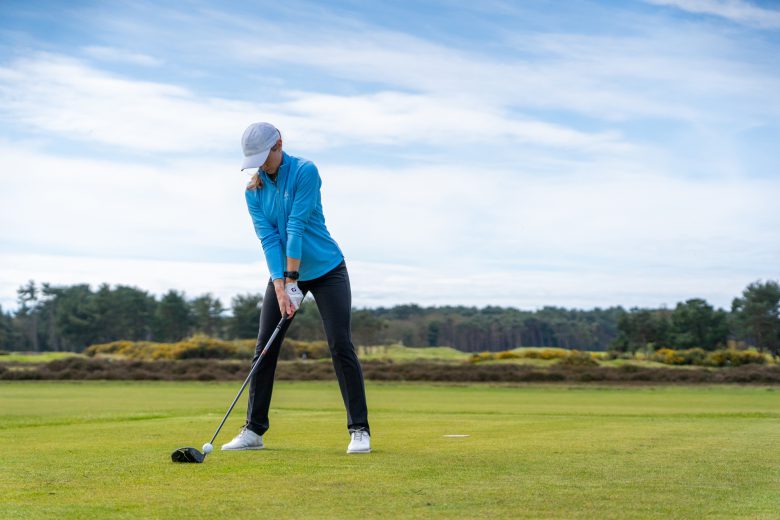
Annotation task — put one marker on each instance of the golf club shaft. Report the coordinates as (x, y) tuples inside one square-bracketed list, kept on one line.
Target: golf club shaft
[(251, 373)]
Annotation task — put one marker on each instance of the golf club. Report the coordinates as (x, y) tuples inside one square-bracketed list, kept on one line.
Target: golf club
[(190, 454)]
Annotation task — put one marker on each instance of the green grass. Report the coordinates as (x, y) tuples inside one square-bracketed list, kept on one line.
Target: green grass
[(35, 357), (101, 450), (400, 353)]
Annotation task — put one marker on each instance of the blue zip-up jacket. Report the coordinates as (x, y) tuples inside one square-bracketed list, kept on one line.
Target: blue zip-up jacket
[(288, 219)]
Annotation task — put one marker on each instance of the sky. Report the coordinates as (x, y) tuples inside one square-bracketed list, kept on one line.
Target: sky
[(579, 154)]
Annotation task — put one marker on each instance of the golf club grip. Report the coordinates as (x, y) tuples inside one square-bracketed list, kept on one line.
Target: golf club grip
[(251, 373)]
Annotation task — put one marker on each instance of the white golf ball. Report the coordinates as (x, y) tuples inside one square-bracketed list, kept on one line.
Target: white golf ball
[(207, 448)]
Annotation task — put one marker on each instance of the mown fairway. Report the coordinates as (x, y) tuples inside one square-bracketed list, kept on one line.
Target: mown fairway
[(98, 450)]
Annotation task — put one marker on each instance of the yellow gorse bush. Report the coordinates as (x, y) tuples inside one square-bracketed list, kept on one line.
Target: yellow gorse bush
[(203, 347), (546, 354), (731, 357), (718, 358)]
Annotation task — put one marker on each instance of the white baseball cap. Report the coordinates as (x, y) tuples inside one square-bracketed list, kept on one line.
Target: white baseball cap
[(257, 141)]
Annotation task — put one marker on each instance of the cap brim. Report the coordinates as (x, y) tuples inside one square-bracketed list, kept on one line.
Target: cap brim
[(256, 160)]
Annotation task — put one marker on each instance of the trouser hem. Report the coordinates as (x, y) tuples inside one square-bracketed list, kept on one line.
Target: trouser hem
[(255, 429)]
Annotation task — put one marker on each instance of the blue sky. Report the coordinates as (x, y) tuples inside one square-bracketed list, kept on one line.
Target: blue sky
[(503, 153)]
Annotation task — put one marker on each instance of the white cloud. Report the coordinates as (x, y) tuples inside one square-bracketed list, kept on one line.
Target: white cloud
[(657, 73), (115, 55), (631, 67), (103, 207), (58, 94), (737, 11), (605, 234), (398, 118), (608, 217)]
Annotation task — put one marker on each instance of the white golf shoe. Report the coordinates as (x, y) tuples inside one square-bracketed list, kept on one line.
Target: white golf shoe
[(246, 440), (360, 442)]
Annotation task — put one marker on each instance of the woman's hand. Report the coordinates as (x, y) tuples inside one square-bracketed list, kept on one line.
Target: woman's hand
[(286, 307), (294, 294)]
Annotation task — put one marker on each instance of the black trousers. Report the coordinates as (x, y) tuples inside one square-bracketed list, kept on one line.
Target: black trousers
[(334, 300)]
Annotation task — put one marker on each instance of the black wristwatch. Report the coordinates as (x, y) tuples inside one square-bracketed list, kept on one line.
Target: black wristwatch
[(292, 275)]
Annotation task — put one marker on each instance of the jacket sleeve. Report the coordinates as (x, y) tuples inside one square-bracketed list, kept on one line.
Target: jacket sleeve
[(268, 234), (307, 195)]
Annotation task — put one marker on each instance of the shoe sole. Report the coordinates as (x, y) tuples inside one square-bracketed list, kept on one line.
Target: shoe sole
[(244, 449), (361, 451)]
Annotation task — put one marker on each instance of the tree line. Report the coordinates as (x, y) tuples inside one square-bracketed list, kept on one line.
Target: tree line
[(754, 320), (70, 318)]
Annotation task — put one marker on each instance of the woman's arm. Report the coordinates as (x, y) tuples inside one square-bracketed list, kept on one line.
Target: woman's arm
[(307, 190), (268, 235), (272, 247)]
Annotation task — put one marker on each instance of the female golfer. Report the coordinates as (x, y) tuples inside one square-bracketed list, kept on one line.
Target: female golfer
[(284, 202)]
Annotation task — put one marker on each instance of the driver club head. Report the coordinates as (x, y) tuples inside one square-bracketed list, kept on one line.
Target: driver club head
[(188, 454)]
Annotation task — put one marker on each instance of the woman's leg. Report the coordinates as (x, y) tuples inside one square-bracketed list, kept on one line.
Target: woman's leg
[(262, 383), (333, 295)]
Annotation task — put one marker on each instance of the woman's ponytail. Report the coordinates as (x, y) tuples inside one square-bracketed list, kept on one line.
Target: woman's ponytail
[(256, 182)]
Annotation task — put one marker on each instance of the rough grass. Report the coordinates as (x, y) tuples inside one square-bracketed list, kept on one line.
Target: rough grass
[(577, 368), (101, 449), (533, 356)]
